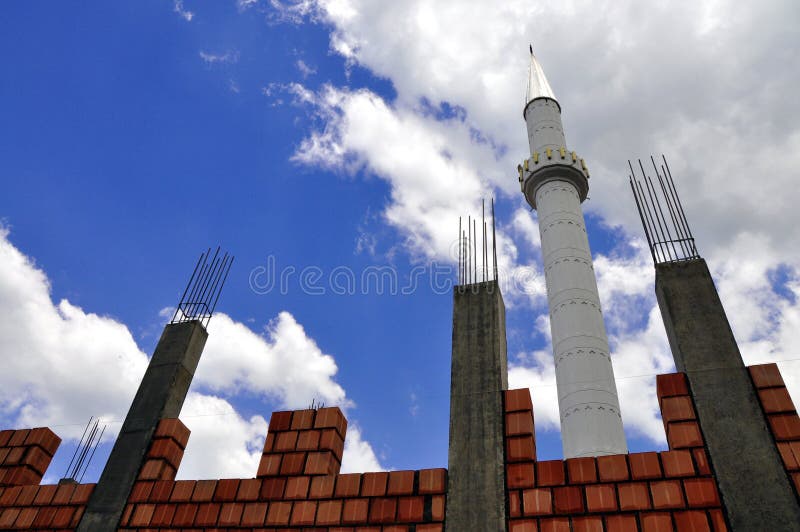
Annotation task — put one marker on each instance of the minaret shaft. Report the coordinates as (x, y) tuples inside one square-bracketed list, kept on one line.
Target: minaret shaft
[(543, 118), (555, 182), (587, 395)]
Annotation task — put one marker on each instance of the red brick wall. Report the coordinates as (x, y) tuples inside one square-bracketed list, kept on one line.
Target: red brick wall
[(25, 455), (166, 451), (782, 417), (24, 504), (649, 492), (298, 485)]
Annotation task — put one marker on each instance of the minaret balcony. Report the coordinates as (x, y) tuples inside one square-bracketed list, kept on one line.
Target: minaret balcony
[(553, 165)]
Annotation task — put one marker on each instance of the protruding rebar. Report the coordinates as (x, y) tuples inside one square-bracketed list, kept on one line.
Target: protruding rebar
[(659, 226), (460, 278), (483, 240), (316, 405), (474, 252), (470, 269), (464, 257), (469, 249), (91, 456), (671, 184), (199, 299), (670, 208), (77, 449), (494, 244), (85, 450), (641, 217), (656, 206)]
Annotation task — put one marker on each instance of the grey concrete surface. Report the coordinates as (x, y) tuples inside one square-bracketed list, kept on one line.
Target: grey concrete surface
[(476, 473), (161, 394), (755, 489)]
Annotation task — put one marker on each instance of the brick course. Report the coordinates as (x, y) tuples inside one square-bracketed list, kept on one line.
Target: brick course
[(298, 485), (648, 491)]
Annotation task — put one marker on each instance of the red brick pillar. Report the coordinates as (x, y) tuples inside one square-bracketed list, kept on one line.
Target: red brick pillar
[(166, 451), (304, 443), (25, 455)]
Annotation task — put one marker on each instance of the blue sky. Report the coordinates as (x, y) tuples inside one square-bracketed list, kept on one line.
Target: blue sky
[(351, 135)]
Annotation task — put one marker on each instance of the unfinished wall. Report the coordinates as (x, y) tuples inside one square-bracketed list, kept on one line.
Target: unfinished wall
[(298, 485), (672, 490)]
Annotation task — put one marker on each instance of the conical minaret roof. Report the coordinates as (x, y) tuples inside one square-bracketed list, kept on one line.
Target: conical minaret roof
[(538, 86)]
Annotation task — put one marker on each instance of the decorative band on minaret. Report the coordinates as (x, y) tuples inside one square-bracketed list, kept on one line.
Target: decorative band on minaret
[(555, 182)]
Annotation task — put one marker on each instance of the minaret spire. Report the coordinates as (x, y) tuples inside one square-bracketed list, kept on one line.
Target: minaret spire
[(538, 86), (555, 181)]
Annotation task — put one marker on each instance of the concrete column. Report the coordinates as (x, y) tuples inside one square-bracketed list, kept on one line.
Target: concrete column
[(160, 395), (476, 473), (754, 487)]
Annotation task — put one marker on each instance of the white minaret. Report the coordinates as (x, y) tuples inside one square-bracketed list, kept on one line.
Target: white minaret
[(555, 182)]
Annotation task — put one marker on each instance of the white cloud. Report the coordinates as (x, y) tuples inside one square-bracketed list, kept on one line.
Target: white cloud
[(57, 359), (231, 56), (222, 443), (765, 316), (650, 57), (537, 372), (304, 68), (738, 74), (433, 169), (425, 53), (636, 335), (631, 275), (185, 14), (625, 284), (627, 101), (709, 88), (293, 11), (432, 181), (283, 365), (414, 408), (765, 323), (524, 223), (358, 455), (243, 5), (638, 356)]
